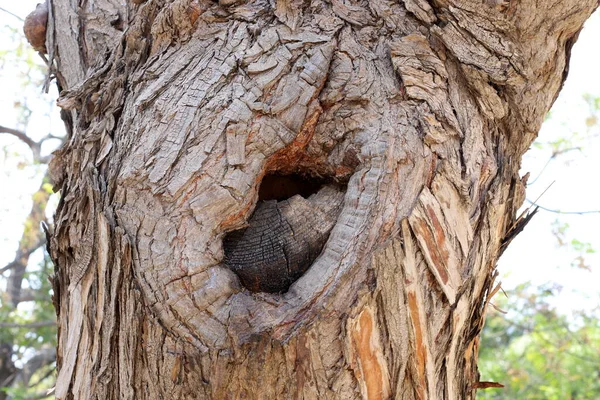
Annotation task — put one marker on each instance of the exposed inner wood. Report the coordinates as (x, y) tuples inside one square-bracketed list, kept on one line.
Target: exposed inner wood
[(284, 237)]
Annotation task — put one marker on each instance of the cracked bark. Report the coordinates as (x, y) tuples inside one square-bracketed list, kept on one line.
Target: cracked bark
[(180, 108)]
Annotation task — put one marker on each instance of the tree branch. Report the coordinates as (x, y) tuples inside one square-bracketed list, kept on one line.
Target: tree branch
[(50, 136), (33, 295), (21, 378), (42, 358), (27, 253), (40, 395), (20, 134), (554, 155), (33, 145), (50, 372)]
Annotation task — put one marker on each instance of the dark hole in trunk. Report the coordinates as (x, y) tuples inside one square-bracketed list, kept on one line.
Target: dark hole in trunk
[(286, 233), (282, 187)]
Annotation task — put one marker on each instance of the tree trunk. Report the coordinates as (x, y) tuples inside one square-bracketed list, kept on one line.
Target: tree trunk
[(388, 137)]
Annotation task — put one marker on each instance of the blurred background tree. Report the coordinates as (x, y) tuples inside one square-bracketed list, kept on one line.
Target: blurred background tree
[(537, 352), (29, 130)]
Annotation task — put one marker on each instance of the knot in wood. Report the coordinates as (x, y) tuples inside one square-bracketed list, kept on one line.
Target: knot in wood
[(282, 239), (34, 27)]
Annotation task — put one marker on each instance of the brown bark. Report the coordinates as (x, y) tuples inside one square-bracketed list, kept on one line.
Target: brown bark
[(420, 110)]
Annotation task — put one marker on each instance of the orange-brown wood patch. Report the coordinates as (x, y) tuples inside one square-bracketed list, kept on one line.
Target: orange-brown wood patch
[(372, 370), (419, 343), (436, 242)]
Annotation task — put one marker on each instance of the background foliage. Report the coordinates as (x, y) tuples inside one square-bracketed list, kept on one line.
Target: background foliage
[(537, 353), (28, 133), (539, 341)]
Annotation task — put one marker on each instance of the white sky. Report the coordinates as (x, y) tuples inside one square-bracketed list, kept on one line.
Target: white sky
[(533, 255)]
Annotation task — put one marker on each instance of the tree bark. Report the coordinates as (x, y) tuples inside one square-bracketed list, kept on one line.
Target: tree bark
[(419, 112)]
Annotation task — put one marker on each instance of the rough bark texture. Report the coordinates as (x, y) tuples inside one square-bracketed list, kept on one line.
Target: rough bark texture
[(421, 109)]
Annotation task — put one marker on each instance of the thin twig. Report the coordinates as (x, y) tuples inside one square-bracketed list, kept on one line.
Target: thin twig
[(11, 13), (50, 372), (534, 180), (563, 212), (544, 192), (41, 395), (554, 155)]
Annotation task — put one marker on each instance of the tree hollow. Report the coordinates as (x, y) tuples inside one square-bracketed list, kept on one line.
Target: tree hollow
[(286, 232)]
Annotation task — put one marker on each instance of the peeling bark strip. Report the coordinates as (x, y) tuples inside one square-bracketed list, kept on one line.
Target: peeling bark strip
[(371, 371), (179, 110)]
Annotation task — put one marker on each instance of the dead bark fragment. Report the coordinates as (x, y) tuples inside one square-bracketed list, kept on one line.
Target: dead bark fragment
[(34, 27)]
